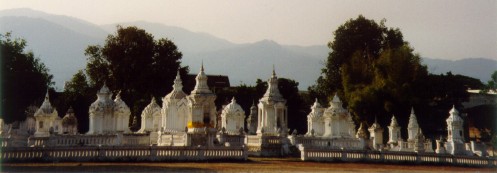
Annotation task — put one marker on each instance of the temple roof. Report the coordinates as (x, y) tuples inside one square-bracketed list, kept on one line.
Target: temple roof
[(361, 132), (233, 107), (454, 115), (119, 104), (69, 118), (335, 106), (46, 107), (177, 92), (393, 122), (413, 121), (151, 108), (201, 86), (272, 92), (316, 105), (375, 125), (104, 89), (103, 101)]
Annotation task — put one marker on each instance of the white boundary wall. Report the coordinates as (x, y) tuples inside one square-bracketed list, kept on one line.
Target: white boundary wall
[(317, 154), (151, 153)]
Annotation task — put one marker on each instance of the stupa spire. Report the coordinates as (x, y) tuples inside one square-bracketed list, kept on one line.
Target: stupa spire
[(274, 72), (272, 91), (201, 82), (178, 83)]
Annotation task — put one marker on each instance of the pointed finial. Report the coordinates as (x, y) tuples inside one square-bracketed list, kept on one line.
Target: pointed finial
[(335, 98), (118, 96), (46, 95), (202, 66), (274, 73), (177, 75), (412, 110), (70, 110), (454, 110), (233, 100)]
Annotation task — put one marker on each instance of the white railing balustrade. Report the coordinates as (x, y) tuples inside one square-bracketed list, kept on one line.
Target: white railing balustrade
[(321, 154), (122, 153)]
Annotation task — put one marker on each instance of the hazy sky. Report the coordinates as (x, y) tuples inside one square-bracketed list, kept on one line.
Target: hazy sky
[(448, 29)]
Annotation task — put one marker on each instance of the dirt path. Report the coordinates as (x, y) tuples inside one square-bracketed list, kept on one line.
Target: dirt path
[(253, 165)]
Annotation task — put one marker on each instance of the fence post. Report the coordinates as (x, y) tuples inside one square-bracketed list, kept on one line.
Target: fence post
[(344, 155), (418, 158), (153, 153), (245, 152), (101, 153), (46, 155), (382, 156), (201, 153)]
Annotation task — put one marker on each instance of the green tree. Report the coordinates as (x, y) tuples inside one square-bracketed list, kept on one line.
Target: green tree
[(372, 69), (78, 85), (134, 63), (358, 36), (24, 78), (79, 95), (492, 83)]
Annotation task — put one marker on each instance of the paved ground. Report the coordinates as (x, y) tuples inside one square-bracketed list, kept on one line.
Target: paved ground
[(253, 165)]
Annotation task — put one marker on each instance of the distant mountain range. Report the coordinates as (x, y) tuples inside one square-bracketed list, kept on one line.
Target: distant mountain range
[(59, 41)]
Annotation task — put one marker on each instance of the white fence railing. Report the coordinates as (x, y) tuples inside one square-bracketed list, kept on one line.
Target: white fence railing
[(152, 153), (89, 140), (347, 143), (316, 154)]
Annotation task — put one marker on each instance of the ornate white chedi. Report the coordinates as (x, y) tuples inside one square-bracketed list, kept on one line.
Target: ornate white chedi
[(29, 125), (202, 106), (151, 118), (412, 127), (361, 132), (106, 115), (338, 122), (175, 108), (70, 123), (455, 126), (232, 117), (252, 120), (272, 114), (455, 133), (315, 121), (376, 135), (394, 132), (47, 119), (122, 113)]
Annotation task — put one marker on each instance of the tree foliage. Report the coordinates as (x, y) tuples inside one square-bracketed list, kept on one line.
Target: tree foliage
[(24, 78), (130, 61), (492, 83), (372, 68), (359, 36), (79, 95), (378, 75)]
